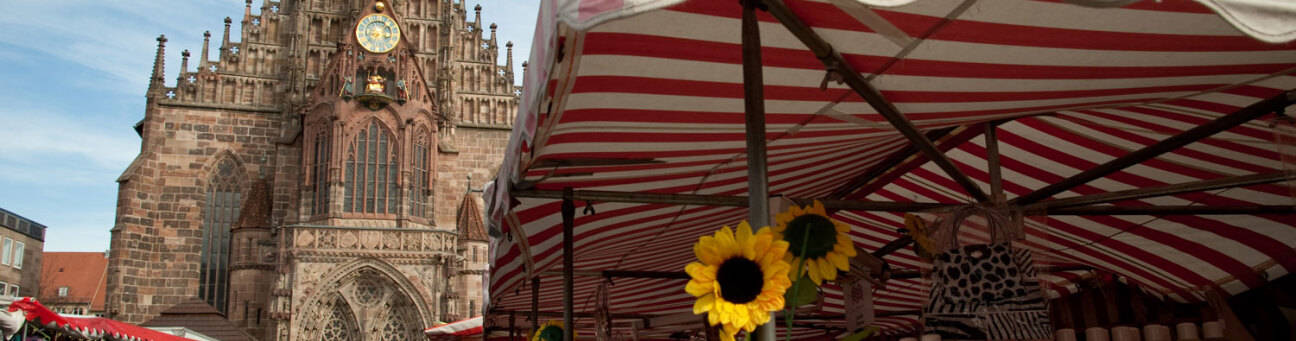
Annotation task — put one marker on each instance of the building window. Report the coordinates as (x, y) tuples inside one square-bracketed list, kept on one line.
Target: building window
[(63, 291), (371, 173), (219, 215), (418, 196), (472, 308), (319, 173), (5, 250), (13, 290), (4, 288), (18, 249)]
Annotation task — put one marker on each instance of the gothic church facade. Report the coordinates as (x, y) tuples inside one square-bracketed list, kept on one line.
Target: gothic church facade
[(314, 180)]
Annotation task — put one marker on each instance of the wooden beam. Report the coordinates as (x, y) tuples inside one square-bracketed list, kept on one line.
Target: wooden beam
[(835, 63), (992, 165), (569, 283), (1173, 210), (720, 200), (1234, 119), (1188, 187)]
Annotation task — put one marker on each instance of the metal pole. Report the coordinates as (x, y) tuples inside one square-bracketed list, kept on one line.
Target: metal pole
[(754, 103), (535, 305), (512, 325), (569, 217)]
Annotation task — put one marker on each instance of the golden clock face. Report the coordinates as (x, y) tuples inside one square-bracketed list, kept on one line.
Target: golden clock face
[(377, 33)]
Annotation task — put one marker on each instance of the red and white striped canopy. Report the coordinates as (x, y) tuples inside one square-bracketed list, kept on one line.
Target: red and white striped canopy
[(1069, 87), (467, 327)]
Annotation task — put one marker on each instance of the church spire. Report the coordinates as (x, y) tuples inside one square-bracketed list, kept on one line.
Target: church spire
[(508, 62), (493, 27), (247, 13), (156, 82)]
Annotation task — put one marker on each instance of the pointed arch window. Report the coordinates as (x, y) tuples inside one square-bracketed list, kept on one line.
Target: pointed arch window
[(371, 173), (220, 212), (319, 172), (418, 194)]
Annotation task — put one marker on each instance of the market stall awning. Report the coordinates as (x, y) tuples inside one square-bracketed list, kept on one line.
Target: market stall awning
[(1138, 140), (468, 327), (87, 328)]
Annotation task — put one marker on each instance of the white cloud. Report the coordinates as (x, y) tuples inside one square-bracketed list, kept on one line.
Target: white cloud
[(63, 140)]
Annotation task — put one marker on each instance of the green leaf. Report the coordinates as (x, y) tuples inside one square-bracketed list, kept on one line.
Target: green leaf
[(801, 293), (861, 335)]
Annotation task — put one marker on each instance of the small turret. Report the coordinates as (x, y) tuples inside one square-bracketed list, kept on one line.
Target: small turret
[(508, 62), (493, 27), (184, 66), (156, 82), (477, 22), (206, 41), (225, 40), (247, 13)]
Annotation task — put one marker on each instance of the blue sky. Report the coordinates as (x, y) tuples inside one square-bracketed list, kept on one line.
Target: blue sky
[(74, 76)]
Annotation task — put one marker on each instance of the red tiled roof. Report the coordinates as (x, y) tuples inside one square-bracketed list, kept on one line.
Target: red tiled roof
[(84, 273), (470, 220), (200, 317)]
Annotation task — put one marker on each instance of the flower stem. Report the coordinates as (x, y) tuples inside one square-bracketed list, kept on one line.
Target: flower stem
[(790, 309)]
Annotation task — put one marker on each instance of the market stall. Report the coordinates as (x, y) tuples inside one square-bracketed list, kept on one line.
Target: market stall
[(40, 323), (1138, 140)]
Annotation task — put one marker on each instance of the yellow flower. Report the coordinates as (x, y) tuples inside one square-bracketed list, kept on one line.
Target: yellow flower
[(740, 278), (829, 247), (550, 331)]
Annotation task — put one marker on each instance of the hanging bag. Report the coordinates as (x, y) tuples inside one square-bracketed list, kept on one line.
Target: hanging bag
[(984, 291)]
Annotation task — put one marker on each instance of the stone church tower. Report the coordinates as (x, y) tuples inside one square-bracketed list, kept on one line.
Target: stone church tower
[(313, 180)]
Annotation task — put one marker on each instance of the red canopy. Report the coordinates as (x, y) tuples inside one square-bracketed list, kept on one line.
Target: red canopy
[(646, 97), (92, 328)]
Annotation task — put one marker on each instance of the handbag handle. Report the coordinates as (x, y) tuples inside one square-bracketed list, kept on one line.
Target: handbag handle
[(996, 223)]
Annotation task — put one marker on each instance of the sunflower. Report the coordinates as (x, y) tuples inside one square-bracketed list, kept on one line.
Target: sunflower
[(827, 249), (549, 331), (740, 279)]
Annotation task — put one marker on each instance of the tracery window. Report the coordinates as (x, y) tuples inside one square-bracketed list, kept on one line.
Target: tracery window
[(219, 214), (339, 324), (418, 196), (371, 173), (319, 172)]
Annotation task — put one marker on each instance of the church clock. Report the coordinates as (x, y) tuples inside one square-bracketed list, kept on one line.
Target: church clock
[(377, 33)]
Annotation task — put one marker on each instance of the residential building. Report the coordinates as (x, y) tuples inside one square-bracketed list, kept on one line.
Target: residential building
[(21, 244), (74, 282)]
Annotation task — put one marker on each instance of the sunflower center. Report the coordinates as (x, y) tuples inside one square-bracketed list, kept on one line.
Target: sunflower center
[(740, 280), (552, 333), (823, 235)]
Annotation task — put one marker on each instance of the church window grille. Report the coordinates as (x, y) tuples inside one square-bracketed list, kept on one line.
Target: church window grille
[(418, 196), (219, 215), (319, 173), (339, 323), (371, 173)]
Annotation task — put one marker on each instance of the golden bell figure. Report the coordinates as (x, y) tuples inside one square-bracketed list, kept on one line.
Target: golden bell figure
[(375, 84)]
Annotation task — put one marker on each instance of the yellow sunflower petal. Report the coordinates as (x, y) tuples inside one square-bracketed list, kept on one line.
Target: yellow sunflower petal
[(713, 317), (813, 272), (826, 269), (842, 228), (726, 336), (705, 250), (701, 271), (704, 304), (741, 316), (698, 288), (760, 316), (744, 232), (818, 208), (838, 260)]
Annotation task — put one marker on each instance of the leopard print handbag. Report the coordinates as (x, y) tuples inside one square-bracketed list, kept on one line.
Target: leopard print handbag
[(985, 291)]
